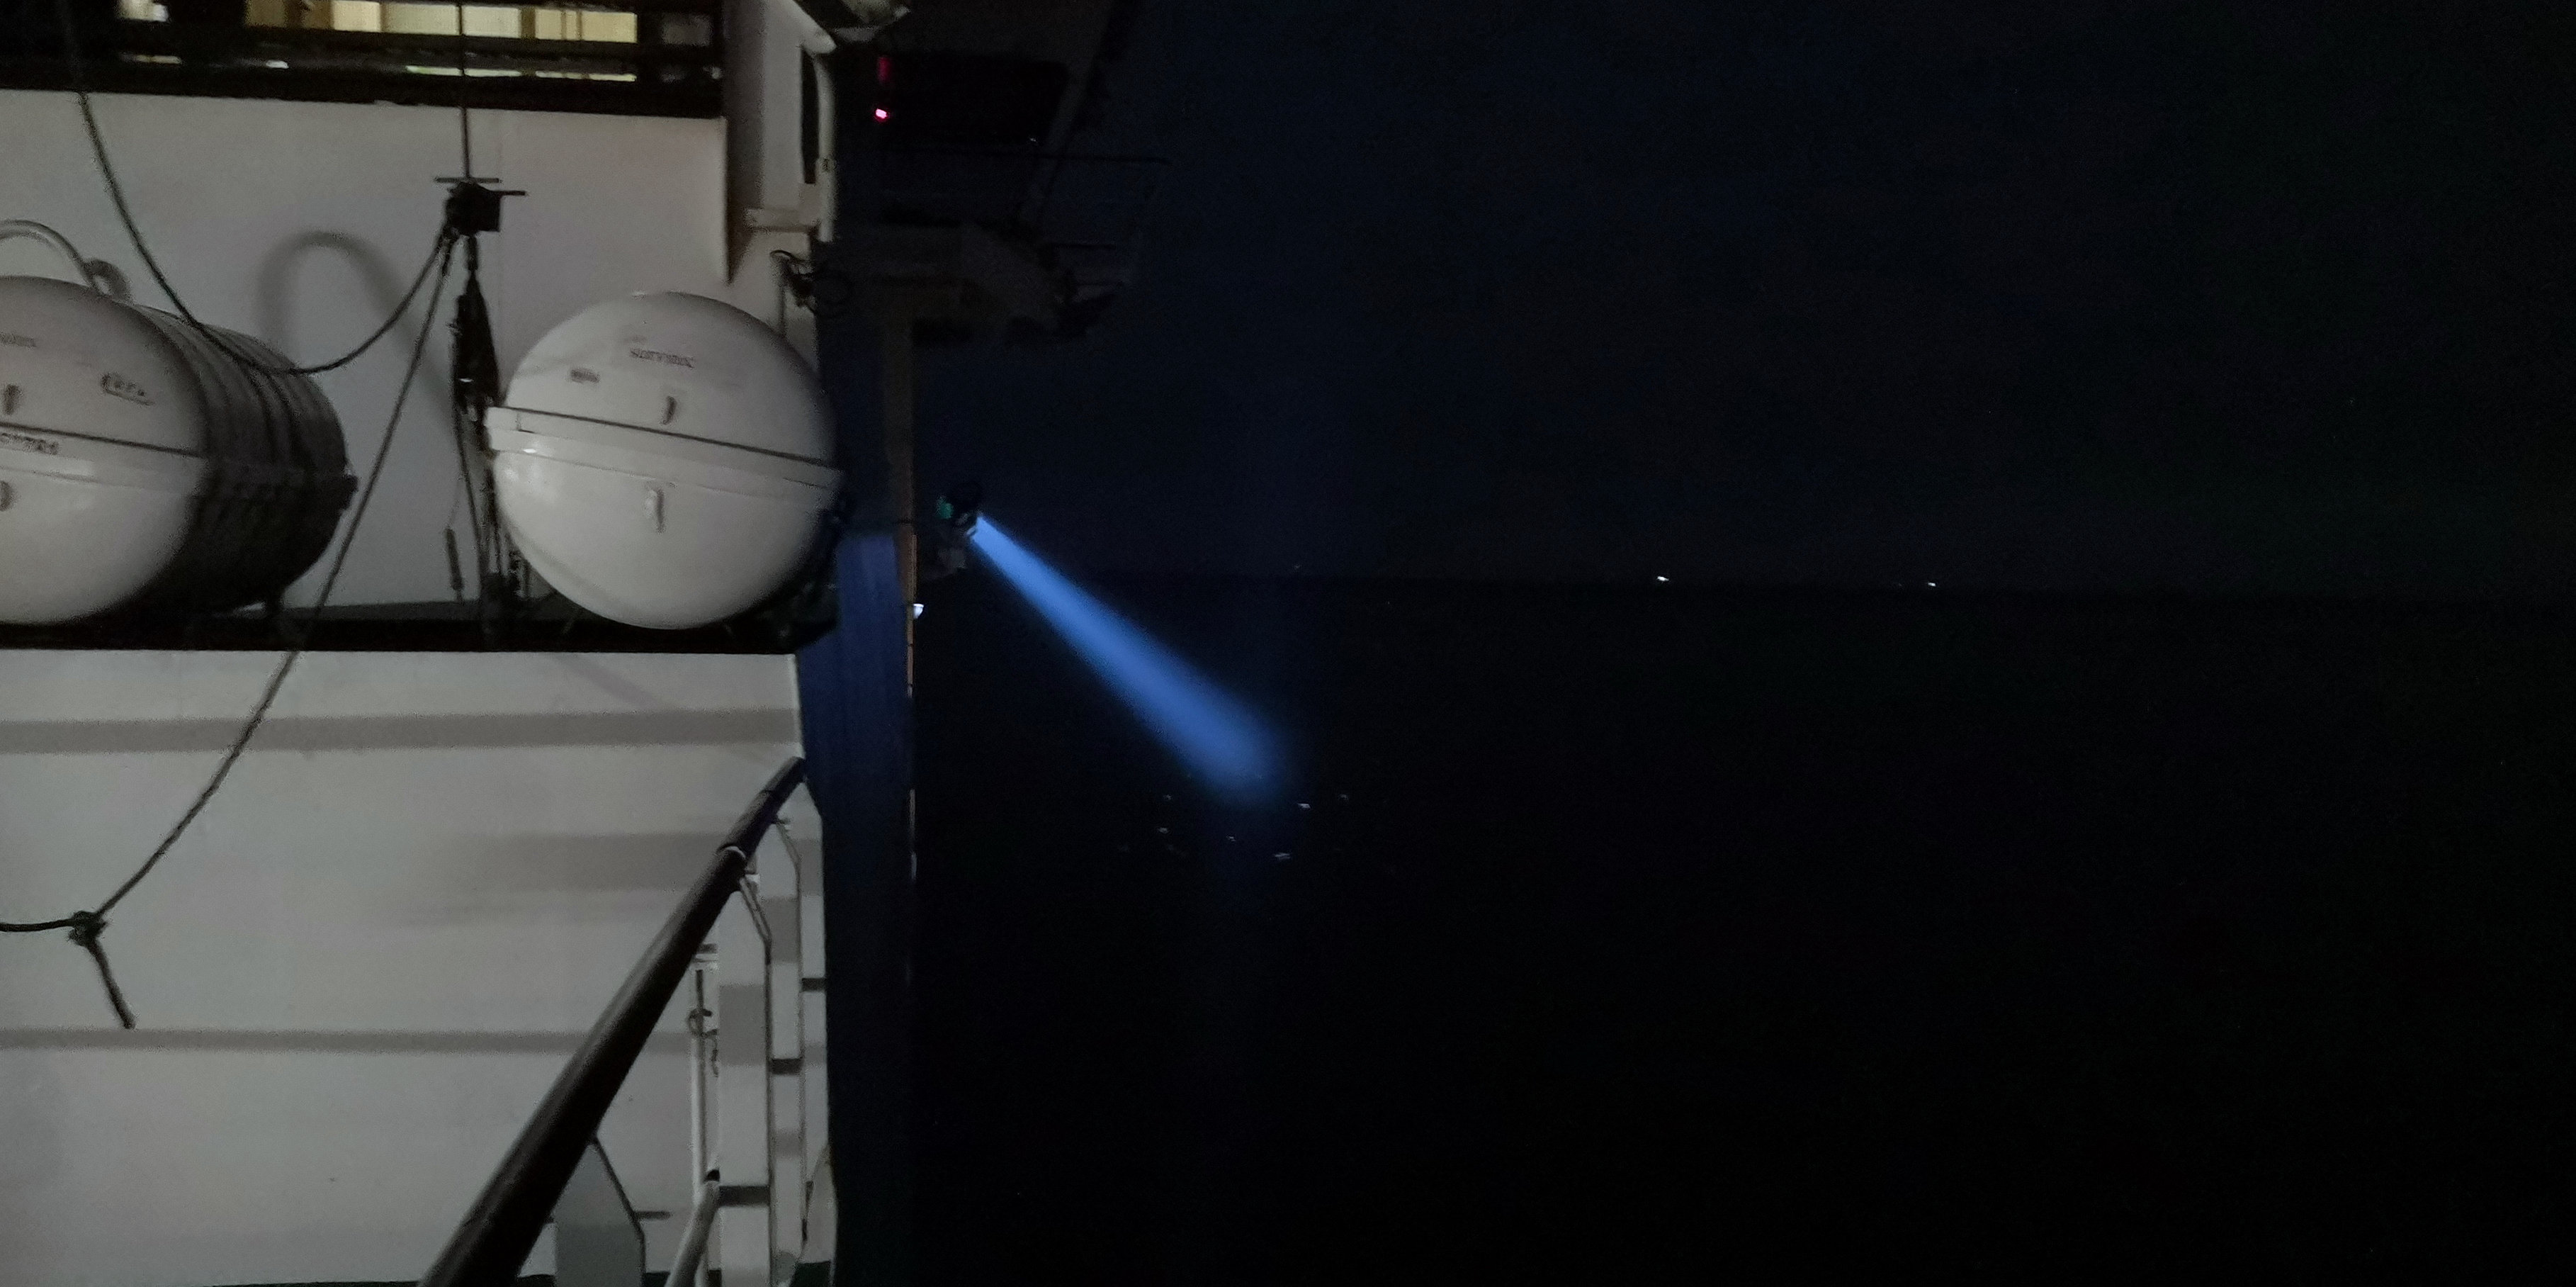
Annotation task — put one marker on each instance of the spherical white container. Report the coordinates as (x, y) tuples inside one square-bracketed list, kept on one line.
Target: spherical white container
[(664, 460)]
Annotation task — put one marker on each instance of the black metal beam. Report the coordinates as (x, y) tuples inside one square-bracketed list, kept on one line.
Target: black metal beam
[(493, 1240), (701, 98), (202, 40)]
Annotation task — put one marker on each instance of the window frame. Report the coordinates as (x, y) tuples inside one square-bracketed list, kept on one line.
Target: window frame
[(223, 59)]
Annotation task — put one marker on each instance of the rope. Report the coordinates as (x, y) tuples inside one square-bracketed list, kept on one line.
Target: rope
[(86, 926), (39, 927), (134, 233), (86, 934), (464, 88)]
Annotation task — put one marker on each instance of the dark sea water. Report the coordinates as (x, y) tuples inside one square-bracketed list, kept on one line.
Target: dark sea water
[(1683, 935)]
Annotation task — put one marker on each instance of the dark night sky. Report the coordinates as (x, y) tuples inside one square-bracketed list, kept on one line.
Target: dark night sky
[(2078, 295)]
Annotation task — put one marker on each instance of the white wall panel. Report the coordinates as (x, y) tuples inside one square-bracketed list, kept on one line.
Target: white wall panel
[(301, 223), (360, 970)]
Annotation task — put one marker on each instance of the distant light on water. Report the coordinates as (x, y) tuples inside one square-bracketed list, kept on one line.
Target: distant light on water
[(1216, 735)]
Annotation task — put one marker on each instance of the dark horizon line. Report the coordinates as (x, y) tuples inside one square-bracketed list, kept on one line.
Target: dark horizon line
[(2149, 595)]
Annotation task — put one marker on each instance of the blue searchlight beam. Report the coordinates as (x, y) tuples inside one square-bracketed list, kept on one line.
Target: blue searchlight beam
[(1216, 735)]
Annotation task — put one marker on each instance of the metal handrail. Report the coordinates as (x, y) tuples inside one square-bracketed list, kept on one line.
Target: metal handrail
[(494, 1239), (62, 245)]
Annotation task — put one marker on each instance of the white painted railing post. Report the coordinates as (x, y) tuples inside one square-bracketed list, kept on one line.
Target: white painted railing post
[(742, 1148), (777, 883), (817, 1202), (702, 1049)]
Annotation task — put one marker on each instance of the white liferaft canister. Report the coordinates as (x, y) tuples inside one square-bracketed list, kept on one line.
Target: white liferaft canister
[(664, 460), (144, 469)]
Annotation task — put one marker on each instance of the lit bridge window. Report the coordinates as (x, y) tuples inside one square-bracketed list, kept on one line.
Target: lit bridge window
[(641, 57)]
